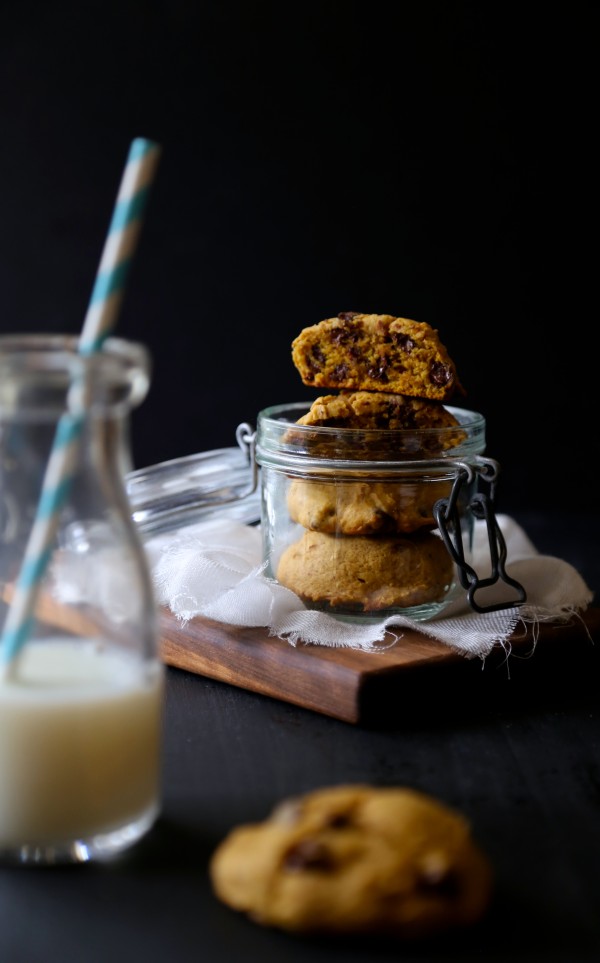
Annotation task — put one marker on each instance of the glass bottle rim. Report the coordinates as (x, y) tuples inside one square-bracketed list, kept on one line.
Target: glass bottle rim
[(122, 366)]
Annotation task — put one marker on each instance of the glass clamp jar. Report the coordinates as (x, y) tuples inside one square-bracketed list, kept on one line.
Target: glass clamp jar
[(367, 523)]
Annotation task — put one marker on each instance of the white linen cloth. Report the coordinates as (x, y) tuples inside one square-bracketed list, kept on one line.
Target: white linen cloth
[(214, 569)]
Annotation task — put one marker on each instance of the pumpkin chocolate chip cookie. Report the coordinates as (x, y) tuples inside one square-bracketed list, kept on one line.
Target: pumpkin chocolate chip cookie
[(376, 352), (383, 425), (365, 508), (356, 859), (362, 573), (376, 410)]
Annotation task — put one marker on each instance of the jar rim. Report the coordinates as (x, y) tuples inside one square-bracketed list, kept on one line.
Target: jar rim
[(273, 415), (282, 443)]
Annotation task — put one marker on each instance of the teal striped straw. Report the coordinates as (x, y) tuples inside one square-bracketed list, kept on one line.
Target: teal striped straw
[(100, 320)]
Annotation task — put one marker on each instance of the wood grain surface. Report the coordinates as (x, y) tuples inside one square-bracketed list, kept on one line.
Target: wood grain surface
[(337, 682)]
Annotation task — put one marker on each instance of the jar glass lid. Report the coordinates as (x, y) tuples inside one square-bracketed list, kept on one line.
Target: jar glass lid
[(180, 492)]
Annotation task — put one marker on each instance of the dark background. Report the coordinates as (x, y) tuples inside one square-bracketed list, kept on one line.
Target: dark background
[(431, 160)]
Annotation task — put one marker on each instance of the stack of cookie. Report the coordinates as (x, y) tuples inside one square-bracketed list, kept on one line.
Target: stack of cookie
[(369, 544)]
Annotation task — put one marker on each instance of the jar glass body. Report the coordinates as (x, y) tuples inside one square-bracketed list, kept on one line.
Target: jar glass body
[(81, 699), (348, 515)]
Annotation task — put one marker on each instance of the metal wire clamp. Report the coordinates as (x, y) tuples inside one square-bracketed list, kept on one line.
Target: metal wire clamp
[(447, 516)]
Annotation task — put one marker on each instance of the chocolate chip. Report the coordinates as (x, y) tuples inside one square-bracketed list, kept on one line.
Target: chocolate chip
[(378, 370), (347, 315), (339, 821), (316, 359), (410, 419), (440, 373), (403, 341), (339, 372), (308, 854), (344, 334)]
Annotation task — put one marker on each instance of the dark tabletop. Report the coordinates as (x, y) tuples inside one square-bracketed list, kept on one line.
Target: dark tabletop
[(515, 746)]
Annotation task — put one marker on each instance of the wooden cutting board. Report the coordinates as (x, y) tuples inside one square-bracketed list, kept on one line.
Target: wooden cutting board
[(342, 683)]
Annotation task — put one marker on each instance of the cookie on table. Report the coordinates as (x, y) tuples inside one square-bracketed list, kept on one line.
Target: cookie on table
[(355, 859), (366, 573), (365, 508), (376, 352)]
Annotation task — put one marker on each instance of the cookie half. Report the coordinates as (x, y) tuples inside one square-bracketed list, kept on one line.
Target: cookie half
[(376, 352)]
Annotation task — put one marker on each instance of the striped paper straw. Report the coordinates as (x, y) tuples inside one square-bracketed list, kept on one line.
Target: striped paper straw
[(120, 245), (99, 322)]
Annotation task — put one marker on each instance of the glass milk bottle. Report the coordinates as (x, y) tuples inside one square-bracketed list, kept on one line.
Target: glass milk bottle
[(81, 697)]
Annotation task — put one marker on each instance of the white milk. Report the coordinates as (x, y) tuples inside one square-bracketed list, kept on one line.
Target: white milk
[(79, 743)]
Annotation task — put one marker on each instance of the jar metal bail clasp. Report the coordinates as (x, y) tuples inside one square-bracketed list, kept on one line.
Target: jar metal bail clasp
[(446, 515), (245, 435)]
